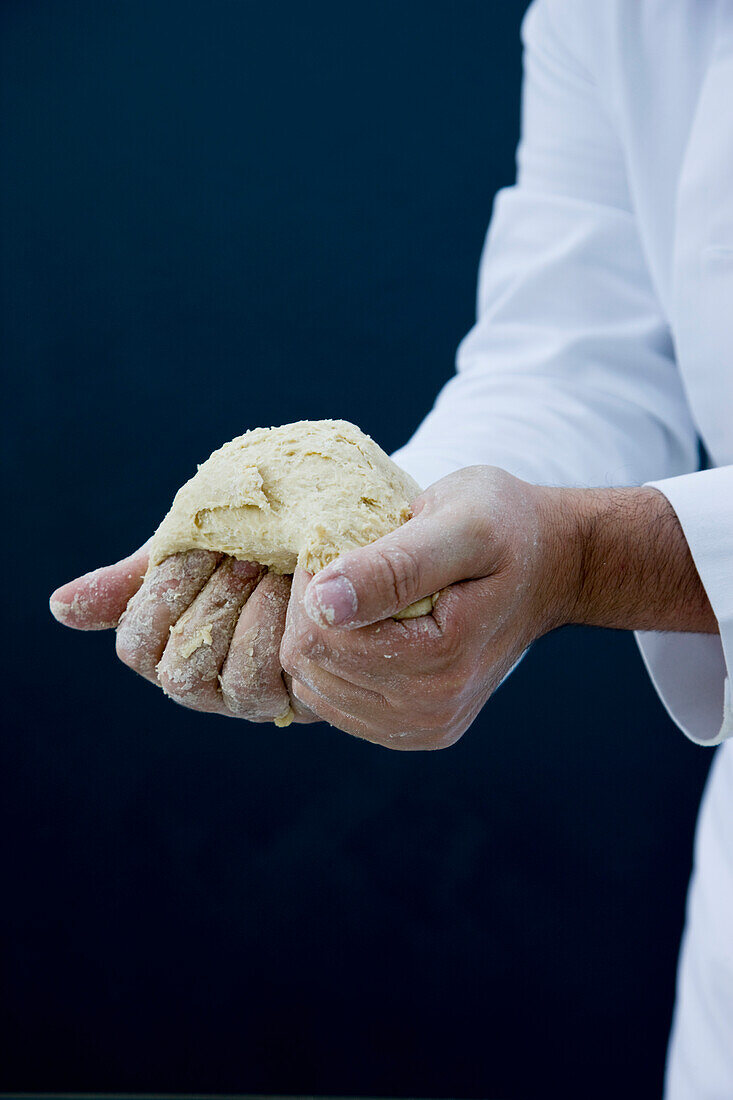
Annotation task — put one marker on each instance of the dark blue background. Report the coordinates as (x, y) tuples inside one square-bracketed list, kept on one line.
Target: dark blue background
[(223, 214)]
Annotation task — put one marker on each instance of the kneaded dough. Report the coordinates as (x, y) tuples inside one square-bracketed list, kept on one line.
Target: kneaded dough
[(300, 494)]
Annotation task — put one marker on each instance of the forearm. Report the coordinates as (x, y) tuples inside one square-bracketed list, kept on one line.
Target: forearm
[(619, 558)]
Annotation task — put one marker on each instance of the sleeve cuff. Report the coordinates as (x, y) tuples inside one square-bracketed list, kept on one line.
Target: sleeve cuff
[(692, 672)]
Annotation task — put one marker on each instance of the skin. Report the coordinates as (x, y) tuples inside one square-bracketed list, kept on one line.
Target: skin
[(157, 617), (510, 561)]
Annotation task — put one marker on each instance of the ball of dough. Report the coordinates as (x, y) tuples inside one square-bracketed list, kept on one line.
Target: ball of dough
[(300, 494)]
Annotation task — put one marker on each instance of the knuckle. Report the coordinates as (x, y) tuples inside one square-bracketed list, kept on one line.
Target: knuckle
[(136, 635), (441, 710), (440, 735), (241, 704), (457, 682), (190, 680), (396, 574), (238, 678), (252, 691), (304, 716), (458, 722), (235, 690), (298, 646), (444, 687), (178, 692), (308, 702), (305, 637), (166, 677), (131, 651), (425, 739), (448, 650), (289, 654), (447, 737), (298, 692), (441, 719)]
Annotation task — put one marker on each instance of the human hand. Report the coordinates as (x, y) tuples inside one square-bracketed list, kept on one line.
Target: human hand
[(206, 628), (487, 543)]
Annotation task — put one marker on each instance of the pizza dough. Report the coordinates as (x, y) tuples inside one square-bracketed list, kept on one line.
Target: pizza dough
[(299, 494)]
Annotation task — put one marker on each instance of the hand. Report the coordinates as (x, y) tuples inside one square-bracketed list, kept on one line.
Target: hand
[(510, 561), (482, 539), (204, 627)]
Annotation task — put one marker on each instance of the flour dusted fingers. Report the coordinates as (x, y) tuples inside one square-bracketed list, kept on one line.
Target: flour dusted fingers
[(198, 643), (98, 599), (166, 593)]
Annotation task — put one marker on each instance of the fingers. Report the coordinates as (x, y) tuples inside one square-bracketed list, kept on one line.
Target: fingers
[(304, 653), (198, 644), (365, 725), (404, 685), (300, 712), (418, 559), (97, 600), (253, 684), (326, 712), (419, 684), (335, 692), (208, 631), (373, 657), (251, 678), (376, 581), (168, 591)]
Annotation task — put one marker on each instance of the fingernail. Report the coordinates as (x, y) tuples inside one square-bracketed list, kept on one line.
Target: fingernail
[(331, 602)]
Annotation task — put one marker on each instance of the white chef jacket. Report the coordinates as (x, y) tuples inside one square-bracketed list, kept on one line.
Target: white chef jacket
[(604, 342)]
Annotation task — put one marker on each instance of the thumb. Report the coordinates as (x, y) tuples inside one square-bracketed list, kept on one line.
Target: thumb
[(364, 586), (96, 600)]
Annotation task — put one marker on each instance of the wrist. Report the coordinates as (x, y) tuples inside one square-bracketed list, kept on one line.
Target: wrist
[(564, 524), (593, 537), (618, 558), (623, 546)]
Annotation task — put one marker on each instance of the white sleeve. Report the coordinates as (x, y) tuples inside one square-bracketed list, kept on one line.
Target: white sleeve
[(568, 376), (689, 670)]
